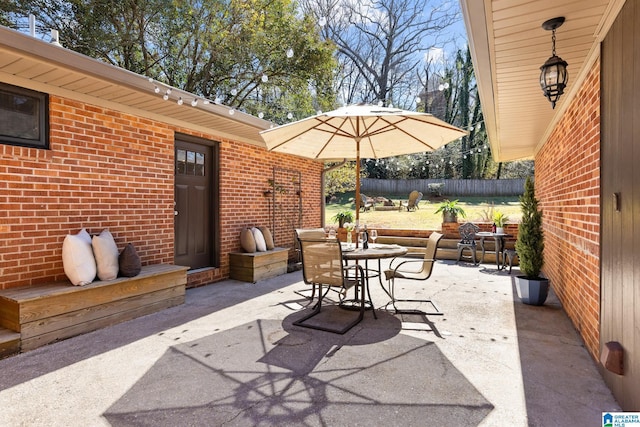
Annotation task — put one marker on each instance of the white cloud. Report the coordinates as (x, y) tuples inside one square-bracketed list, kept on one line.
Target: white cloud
[(434, 55)]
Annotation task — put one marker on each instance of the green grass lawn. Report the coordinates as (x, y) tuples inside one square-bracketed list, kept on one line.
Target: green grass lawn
[(478, 209)]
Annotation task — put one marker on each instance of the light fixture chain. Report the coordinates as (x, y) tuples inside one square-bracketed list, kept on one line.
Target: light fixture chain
[(553, 41)]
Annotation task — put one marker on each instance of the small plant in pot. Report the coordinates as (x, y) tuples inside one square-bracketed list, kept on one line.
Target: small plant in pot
[(450, 211), (500, 219), (342, 217), (532, 289)]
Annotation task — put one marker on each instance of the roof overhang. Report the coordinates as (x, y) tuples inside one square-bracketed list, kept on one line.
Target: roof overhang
[(32, 63), (508, 45)]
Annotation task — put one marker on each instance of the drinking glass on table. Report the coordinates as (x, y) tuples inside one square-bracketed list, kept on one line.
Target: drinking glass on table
[(332, 233), (373, 234)]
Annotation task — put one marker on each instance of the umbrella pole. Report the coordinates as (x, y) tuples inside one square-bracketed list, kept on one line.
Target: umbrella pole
[(357, 189)]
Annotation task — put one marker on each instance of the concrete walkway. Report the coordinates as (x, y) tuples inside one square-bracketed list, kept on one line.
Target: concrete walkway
[(230, 356)]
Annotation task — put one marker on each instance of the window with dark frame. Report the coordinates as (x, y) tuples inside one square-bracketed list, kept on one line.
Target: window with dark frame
[(24, 117)]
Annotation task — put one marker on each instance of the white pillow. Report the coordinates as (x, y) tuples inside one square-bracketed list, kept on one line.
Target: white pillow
[(106, 254), (261, 245), (77, 258)]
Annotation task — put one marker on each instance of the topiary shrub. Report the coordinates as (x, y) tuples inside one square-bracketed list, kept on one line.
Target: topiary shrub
[(530, 243)]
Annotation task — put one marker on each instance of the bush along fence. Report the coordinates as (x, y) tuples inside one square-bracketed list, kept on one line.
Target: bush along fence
[(444, 187)]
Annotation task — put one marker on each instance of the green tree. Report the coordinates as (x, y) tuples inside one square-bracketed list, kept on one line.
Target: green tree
[(260, 56), (340, 179)]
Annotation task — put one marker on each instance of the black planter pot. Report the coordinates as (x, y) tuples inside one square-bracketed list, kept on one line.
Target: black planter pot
[(532, 291)]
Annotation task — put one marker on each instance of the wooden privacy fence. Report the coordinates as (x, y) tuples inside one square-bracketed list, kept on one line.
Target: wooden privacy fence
[(450, 187)]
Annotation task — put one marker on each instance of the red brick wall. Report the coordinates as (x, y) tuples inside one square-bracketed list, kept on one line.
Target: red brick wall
[(568, 187), (107, 169)]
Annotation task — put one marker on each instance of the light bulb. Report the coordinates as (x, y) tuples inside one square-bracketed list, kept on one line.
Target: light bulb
[(265, 78), (165, 97), (232, 112), (234, 92), (194, 102), (168, 92), (260, 115), (180, 101), (289, 53), (156, 89), (322, 21), (290, 116), (206, 102)]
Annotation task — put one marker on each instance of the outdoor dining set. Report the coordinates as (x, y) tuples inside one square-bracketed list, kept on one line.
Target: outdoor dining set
[(331, 265)]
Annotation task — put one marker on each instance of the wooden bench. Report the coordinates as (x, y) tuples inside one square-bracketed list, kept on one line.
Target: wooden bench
[(254, 266), (49, 312)]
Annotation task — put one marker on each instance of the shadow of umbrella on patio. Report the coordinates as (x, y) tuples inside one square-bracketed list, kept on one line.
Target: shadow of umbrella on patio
[(235, 377), (361, 131)]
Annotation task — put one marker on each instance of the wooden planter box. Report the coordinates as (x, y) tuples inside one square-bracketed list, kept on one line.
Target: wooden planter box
[(251, 267)]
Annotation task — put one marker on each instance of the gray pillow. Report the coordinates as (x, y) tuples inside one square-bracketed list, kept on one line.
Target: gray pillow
[(247, 241), (268, 237), (129, 261)]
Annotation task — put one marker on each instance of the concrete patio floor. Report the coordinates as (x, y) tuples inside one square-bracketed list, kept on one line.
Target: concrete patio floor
[(230, 356)]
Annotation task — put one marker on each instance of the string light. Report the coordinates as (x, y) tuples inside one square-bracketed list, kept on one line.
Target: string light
[(289, 53), (194, 102), (180, 101)]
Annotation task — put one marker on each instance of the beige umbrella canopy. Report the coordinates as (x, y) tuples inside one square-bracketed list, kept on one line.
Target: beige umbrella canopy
[(361, 131)]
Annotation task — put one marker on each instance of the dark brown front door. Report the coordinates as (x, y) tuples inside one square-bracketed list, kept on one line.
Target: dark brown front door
[(193, 204)]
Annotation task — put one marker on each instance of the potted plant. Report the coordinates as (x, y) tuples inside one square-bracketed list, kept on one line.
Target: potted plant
[(342, 217), (532, 289), (500, 219), (450, 211)]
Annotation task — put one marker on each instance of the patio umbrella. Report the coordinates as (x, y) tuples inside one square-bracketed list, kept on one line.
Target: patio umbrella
[(361, 131)]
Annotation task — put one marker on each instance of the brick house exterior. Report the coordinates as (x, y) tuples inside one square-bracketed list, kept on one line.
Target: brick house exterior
[(585, 157), (569, 194), (109, 168)]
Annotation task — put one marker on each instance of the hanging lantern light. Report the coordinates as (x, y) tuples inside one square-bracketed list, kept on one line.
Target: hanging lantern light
[(553, 74)]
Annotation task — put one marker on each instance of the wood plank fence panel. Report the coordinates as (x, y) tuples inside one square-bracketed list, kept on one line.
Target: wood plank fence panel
[(451, 187)]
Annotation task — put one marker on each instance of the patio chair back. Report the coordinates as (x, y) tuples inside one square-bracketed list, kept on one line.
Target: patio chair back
[(468, 232), (364, 204), (414, 198), (322, 262)]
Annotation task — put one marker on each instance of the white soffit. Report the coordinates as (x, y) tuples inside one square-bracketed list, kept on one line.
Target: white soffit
[(508, 46), (32, 63)]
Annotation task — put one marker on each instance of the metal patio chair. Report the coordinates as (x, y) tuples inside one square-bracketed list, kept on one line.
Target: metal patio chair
[(412, 204), (468, 232), (400, 271), (323, 266)]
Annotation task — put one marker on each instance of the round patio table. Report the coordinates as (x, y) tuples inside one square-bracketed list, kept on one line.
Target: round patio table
[(499, 244), (374, 252)]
